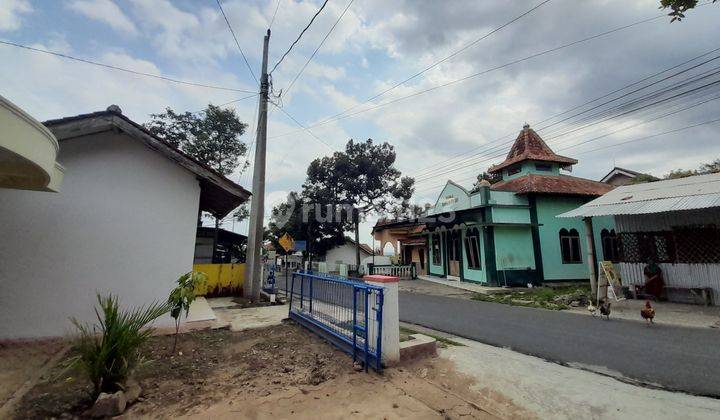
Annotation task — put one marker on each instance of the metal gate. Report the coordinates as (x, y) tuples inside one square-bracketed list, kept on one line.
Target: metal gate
[(346, 312)]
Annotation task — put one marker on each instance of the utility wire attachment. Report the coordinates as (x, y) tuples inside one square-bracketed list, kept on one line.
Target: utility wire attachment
[(299, 36)]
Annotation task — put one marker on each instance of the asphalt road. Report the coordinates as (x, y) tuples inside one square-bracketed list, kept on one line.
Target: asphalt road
[(674, 358)]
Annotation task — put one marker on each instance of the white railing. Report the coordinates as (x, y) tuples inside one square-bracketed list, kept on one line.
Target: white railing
[(405, 272)]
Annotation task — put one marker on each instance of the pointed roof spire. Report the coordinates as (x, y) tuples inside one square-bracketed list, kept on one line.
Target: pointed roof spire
[(529, 146)]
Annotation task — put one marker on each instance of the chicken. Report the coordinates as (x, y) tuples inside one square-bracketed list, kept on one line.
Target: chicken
[(648, 313), (605, 308), (592, 309)]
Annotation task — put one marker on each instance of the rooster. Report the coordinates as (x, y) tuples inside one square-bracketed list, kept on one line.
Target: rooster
[(648, 313), (605, 308)]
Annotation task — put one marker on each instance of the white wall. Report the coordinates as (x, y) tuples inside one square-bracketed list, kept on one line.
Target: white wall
[(345, 254), (124, 223)]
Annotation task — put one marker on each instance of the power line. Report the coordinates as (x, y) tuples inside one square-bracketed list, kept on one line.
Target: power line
[(236, 41), (430, 177), (480, 73), (445, 161), (648, 137), (318, 47), (299, 36), (304, 128), (228, 103), (446, 58), (277, 6), (424, 172), (109, 66), (603, 147)]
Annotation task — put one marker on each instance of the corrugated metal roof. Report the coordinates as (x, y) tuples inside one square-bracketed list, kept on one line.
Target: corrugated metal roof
[(696, 192)]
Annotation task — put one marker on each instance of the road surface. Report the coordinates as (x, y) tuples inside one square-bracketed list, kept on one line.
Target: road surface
[(674, 358)]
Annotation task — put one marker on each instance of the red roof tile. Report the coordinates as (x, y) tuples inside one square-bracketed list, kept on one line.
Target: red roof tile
[(529, 146), (546, 184)]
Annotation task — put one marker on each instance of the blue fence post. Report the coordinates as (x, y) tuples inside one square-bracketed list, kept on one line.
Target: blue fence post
[(354, 330), (381, 300), (292, 286), (367, 329), (311, 292), (302, 290)]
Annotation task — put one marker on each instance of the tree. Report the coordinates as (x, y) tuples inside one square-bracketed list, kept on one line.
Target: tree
[(491, 178), (182, 296), (212, 139), (678, 7), (362, 178)]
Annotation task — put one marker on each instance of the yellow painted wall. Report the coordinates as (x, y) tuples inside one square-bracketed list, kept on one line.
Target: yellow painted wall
[(222, 279)]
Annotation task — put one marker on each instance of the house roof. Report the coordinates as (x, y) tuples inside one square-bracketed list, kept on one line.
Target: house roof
[(620, 171), (529, 146), (552, 184), (364, 247), (218, 195), (691, 193)]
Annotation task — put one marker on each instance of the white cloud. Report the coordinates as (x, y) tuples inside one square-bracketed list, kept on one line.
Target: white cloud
[(10, 11), (104, 11)]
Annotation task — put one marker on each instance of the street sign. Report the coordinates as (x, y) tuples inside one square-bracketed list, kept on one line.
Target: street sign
[(300, 246), (287, 242)]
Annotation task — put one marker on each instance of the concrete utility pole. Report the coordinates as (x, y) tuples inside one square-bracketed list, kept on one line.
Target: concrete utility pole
[(253, 282)]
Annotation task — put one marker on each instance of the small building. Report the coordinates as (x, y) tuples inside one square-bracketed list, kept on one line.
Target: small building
[(345, 253), (125, 222), (507, 233), (675, 223), (228, 246), (408, 241), (621, 176)]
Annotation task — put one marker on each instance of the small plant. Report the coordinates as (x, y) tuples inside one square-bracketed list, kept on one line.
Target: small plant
[(182, 296), (109, 351)]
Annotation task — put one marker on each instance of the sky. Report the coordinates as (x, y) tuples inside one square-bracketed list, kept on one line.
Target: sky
[(449, 132)]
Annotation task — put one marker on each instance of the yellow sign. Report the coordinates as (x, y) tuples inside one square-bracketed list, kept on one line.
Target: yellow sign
[(287, 242)]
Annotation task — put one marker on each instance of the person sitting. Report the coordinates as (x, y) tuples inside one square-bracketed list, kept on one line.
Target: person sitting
[(654, 282)]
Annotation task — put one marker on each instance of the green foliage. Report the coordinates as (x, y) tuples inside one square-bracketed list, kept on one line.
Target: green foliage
[(109, 350), (538, 297), (360, 179), (183, 295), (211, 137), (678, 7)]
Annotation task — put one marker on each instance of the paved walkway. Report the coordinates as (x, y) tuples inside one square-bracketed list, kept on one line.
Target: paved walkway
[(675, 358), (463, 285)]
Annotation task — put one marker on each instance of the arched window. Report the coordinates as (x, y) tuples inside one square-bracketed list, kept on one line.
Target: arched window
[(436, 249), (472, 249), (610, 245), (570, 246)]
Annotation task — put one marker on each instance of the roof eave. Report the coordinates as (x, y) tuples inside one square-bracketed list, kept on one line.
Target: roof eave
[(219, 195)]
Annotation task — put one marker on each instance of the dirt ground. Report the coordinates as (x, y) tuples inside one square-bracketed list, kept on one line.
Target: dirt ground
[(277, 372), (19, 362)]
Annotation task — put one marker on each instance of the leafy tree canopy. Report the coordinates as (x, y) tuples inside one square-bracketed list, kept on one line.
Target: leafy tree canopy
[(212, 137), (362, 177), (678, 7)]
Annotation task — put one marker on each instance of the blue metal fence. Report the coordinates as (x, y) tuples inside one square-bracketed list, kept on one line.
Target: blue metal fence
[(345, 311)]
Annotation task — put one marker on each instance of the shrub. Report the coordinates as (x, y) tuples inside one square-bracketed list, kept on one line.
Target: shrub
[(182, 296), (109, 351)]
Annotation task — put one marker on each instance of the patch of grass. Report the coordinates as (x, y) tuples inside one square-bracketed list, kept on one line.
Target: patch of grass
[(555, 298), (406, 332)]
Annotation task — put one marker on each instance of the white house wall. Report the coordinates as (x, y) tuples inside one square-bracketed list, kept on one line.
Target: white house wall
[(124, 223), (344, 254)]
